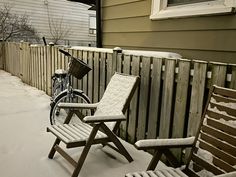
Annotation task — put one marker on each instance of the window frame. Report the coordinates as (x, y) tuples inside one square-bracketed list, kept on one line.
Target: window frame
[(92, 31), (161, 10)]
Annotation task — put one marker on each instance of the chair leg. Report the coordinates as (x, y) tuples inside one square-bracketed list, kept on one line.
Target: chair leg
[(53, 150), (117, 142), (155, 159), (86, 150)]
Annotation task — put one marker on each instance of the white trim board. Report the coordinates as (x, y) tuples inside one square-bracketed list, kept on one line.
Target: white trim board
[(160, 9)]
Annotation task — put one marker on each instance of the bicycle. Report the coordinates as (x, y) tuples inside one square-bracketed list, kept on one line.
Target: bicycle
[(62, 90)]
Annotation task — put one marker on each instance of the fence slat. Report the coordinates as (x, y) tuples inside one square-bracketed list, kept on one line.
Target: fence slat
[(179, 117), (233, 77), (167, 97), (134, 103), (96, 77), (90, 75), (102, 75), (219, 74), (49, 70), (126, 70), (143, 97), (197, 96), (36, 67), (181, 99), (44, 69), (119, 63), (109, 67), (62, 56), (154, 98), (79, 82), (85, 78)]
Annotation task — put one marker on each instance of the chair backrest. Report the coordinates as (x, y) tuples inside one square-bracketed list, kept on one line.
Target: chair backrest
[(117, 96), (215, 148)]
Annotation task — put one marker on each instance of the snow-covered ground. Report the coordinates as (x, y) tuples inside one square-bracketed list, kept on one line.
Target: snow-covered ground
[(24, 142)]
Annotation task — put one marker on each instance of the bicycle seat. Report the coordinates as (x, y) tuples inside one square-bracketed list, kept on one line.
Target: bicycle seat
[(60, 73)]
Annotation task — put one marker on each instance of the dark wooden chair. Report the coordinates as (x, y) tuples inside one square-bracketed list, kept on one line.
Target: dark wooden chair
[(213, 150), (98, 128)]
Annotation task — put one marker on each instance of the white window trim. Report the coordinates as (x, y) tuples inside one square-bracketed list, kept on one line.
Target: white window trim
[(160, 10)]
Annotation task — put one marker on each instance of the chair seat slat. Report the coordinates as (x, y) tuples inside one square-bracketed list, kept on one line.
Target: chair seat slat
[(73, 133), (58, 134)]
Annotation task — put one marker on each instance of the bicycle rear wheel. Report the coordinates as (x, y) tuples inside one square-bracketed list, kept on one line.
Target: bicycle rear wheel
[(58, 116)]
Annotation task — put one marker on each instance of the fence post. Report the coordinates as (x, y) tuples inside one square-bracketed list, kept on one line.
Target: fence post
[(116, 51)]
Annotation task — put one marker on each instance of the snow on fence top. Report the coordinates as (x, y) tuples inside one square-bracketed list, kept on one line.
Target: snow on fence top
[(93, 49), (152, 54), (132, 52)]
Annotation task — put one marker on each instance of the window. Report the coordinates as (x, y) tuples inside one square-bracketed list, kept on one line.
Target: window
[(162, 9), (92, 25), (181, 2)]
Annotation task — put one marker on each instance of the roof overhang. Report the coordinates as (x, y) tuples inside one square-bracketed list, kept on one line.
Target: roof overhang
[(88, 2)]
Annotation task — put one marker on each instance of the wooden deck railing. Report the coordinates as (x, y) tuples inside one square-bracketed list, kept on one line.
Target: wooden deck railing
[(170, 97)]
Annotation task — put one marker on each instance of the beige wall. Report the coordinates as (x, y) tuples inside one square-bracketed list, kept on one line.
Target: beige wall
[(126, 24)]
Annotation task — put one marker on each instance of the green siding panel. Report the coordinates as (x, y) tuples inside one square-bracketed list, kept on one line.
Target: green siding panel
[(126, 24)]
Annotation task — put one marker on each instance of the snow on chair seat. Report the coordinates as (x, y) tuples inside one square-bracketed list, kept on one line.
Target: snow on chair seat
[(72, 133)]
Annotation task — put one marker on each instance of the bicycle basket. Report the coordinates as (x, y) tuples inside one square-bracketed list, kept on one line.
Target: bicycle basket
[(78, 68)]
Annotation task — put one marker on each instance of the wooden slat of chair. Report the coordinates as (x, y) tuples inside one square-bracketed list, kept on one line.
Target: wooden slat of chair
[(217, 152), (206, 165), (225, 92), (228, 110), (220, 98), (224, 165), (218, 116), (217, 133), (221, 126), (219, 143)]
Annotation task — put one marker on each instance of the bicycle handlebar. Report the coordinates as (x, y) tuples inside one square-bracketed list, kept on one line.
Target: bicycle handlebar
[(65, 53)]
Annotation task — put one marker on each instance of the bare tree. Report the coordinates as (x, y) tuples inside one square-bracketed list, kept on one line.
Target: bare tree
[(58, 29), (14, 25)]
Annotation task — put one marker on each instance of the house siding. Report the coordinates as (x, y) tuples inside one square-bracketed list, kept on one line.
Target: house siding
[(126, 24), (75, 16)]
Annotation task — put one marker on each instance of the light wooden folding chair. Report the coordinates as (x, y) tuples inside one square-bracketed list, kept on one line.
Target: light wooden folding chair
[(213, 150), (109, 113)]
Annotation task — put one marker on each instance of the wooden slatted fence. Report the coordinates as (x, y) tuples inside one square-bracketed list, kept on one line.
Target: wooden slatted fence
[(168, 102)]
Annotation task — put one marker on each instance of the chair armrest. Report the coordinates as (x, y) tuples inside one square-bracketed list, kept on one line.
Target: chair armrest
[(164, 143), (76, 106), (96, 119), (231, 174)]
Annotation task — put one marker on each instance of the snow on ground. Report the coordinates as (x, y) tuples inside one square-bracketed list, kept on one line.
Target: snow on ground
[(24, 146)]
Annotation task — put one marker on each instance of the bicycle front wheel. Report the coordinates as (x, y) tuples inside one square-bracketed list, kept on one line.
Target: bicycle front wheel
[(58, 116)]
